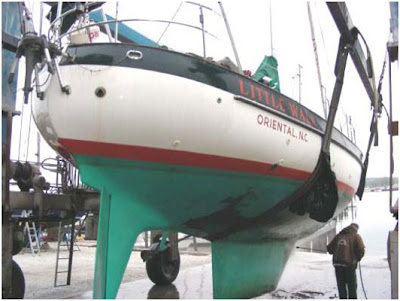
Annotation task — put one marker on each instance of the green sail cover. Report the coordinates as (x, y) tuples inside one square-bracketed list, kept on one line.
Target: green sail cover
[(268, 67)]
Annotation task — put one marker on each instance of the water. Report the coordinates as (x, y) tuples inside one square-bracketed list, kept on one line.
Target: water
[(375, 221)]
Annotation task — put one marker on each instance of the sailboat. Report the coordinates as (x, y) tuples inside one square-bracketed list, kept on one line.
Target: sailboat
[(178, 142)]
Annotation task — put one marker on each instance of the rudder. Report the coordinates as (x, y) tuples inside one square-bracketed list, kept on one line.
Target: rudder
[(247, 269)]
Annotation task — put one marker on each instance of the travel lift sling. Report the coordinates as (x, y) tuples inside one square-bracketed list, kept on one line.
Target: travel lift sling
[(349, 43), (349, 38)]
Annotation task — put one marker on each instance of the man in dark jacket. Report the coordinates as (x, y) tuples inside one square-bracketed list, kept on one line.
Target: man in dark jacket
[(347, 248)]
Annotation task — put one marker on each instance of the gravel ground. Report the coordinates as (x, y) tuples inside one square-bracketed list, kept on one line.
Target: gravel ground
[(39, 270)]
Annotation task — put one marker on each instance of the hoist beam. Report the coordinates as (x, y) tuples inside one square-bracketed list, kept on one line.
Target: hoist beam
[(346, 28)]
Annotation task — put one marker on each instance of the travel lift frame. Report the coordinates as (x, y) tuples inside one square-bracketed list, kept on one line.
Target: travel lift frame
[(348, 44), (393, 128), (364, 68)]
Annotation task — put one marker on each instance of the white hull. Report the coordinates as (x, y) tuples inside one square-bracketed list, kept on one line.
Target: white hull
[(157, 110)]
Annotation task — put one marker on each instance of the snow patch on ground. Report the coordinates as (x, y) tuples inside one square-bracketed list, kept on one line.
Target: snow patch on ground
[(306, 276), (312, 276)]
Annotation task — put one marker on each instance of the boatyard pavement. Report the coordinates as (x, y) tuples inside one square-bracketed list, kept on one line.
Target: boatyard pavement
[(307, 276), (39, 270)]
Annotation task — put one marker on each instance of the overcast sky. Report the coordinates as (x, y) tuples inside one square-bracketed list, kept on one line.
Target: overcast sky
[(292, 45)]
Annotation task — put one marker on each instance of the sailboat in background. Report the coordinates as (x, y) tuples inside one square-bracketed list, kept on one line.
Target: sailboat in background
[(178, 142)]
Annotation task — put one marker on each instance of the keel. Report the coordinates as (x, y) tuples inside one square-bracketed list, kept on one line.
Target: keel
[(247, 269), (120, 222)]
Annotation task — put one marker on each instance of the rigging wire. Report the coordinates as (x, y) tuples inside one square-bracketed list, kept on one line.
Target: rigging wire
[(30, 121), (329, 63), (322, 36), (314, 42), (45, 82), (387, 113), (166, 28)]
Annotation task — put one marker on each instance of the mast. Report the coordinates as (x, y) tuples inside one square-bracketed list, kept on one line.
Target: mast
[(299, 76), (202, 31), (317, 61), (116, 23), (270, 28), (230, 36)]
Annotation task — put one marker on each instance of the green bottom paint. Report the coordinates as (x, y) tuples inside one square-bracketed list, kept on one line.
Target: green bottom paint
[(139, 196), (245, 270)]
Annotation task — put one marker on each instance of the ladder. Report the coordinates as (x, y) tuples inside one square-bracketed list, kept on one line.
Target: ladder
[(34, 243), (68, 236), (65, 252)]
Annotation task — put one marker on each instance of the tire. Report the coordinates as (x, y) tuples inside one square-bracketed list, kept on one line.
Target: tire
[(17, 282), (161, 269)]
